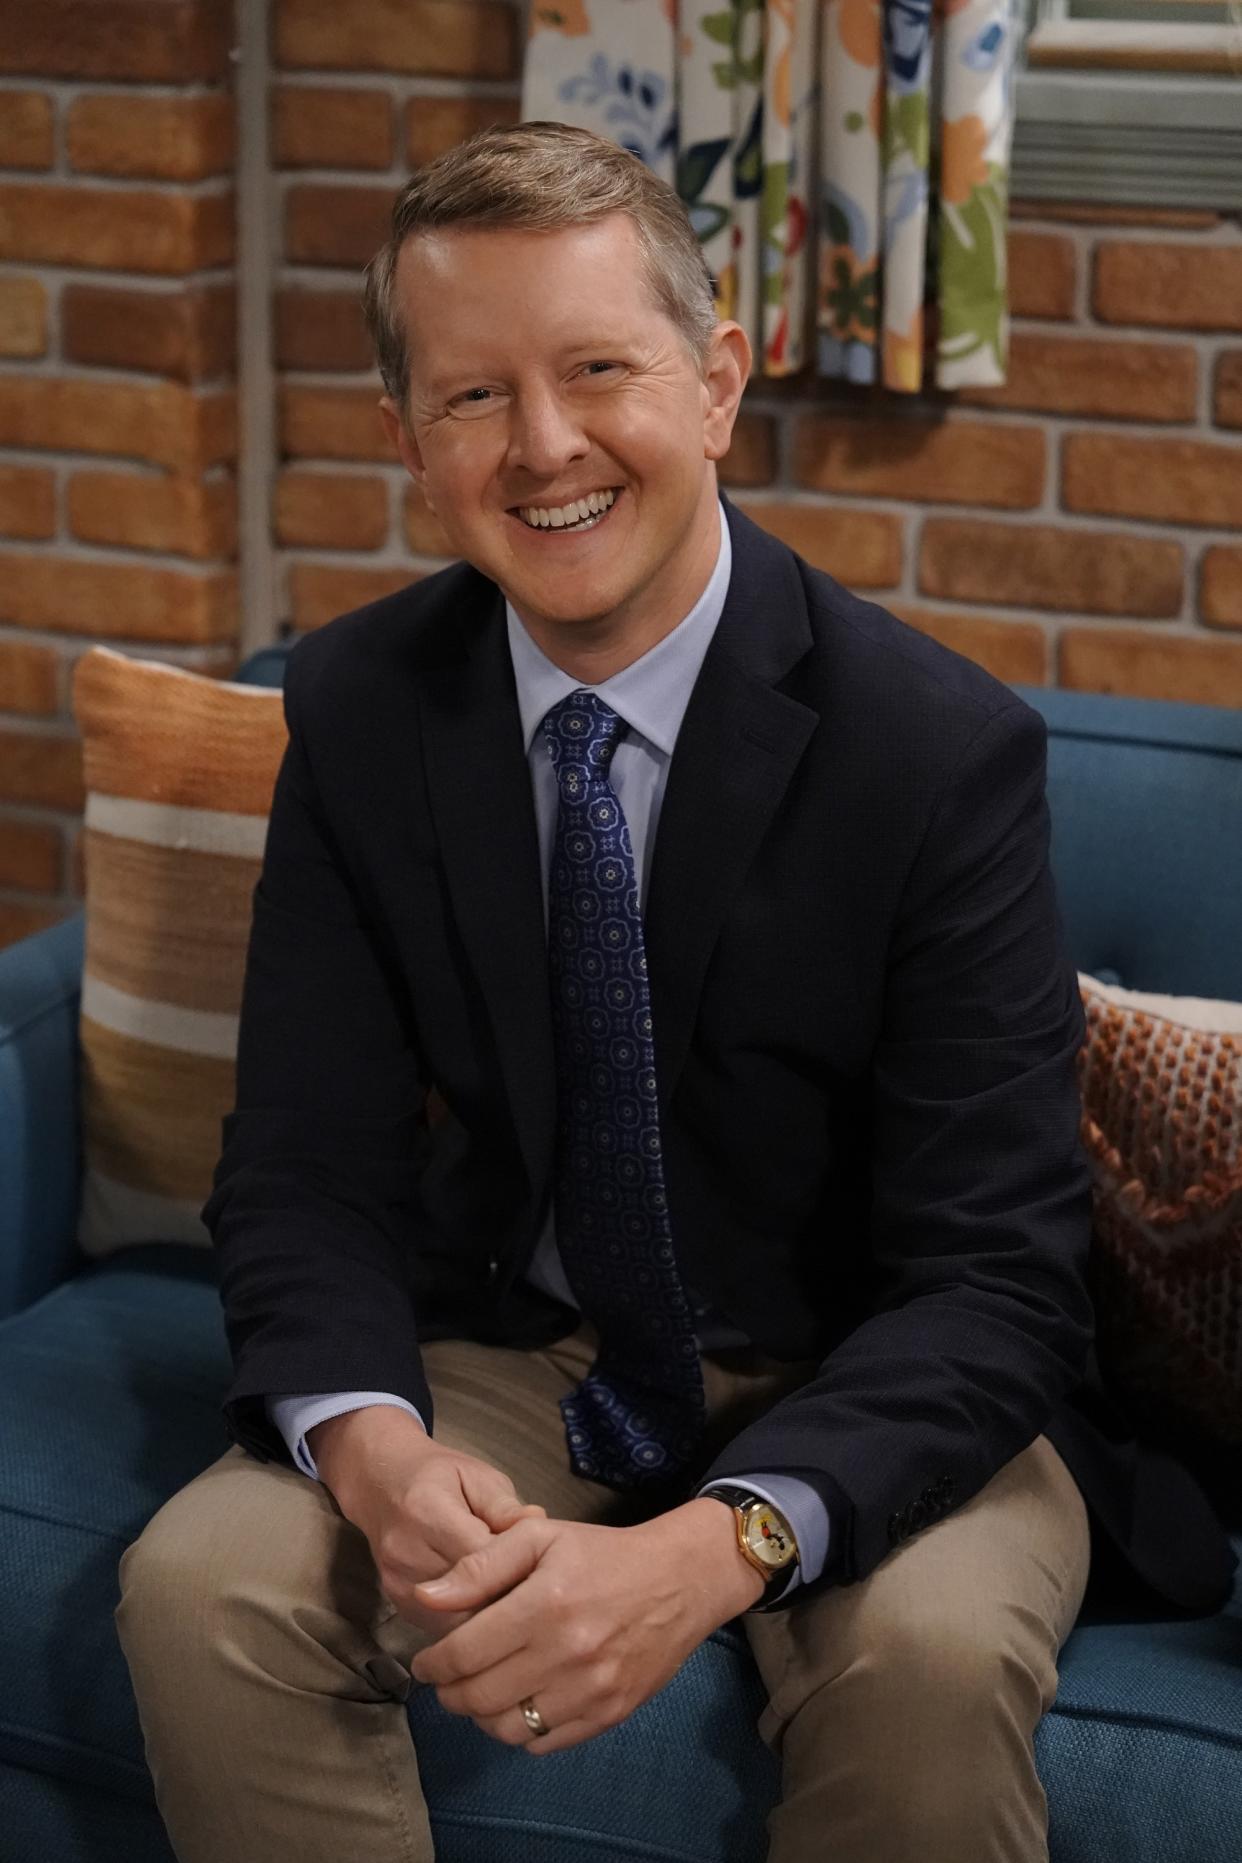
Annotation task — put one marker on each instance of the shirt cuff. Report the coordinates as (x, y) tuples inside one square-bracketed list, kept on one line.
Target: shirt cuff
[(802, 1507), (295, 1414)]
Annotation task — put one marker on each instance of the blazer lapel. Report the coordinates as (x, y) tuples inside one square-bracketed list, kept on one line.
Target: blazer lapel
[(739, 744), (479, 787)]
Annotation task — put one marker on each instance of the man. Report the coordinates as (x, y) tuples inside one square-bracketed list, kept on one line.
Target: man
[(654, 1191)]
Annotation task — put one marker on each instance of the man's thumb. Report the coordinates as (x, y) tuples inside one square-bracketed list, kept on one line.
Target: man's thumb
[(506, 1511), (498, 1507), (480, 1576)]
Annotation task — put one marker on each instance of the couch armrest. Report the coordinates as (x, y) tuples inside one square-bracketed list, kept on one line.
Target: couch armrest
[(40, 985)]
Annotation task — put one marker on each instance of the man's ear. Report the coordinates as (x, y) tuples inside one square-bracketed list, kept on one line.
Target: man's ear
[(724, 377), (404, 441)]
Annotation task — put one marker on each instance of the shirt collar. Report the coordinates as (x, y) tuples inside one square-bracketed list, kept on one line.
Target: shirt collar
[(652, 693)]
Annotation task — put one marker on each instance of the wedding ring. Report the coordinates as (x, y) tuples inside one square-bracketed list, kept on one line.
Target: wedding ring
[(534, 1720)]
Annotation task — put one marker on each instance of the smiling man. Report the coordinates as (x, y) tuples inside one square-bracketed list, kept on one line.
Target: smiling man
[(654, 1194)]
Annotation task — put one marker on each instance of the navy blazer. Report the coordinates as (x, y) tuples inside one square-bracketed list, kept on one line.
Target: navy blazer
[(865, 1025)]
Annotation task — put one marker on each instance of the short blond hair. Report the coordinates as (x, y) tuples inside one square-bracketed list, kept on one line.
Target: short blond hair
[(540, 176)]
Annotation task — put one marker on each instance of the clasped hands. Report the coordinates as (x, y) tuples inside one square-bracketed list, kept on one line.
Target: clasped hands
[(588, 1621)]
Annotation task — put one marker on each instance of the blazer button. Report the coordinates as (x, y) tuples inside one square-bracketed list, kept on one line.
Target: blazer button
[(947, 1488), (918, 1516), (896, 1529)]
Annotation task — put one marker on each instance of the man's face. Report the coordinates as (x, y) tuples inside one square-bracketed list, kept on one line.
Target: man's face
[(543, 372)]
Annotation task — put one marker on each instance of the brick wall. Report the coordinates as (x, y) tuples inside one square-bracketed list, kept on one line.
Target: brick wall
[(1081, 526), (117, 416), (361, 95)]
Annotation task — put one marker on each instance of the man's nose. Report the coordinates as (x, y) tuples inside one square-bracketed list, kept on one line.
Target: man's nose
[(544, 435)]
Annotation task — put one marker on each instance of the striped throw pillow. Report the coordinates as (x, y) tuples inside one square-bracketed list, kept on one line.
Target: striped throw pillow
[(179, 771)]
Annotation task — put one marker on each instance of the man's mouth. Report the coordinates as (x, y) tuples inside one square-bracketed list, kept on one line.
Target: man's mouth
[(586, 513)]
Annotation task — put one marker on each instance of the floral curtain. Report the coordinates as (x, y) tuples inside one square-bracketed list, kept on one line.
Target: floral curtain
[(844, 162)]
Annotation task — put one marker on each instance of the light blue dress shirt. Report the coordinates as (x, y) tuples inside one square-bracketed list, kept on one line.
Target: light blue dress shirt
[(651, 695)]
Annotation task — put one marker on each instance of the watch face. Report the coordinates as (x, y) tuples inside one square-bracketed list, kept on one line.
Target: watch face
[(768, 1537)]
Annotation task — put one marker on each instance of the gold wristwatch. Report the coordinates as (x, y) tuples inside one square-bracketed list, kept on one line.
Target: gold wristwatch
[(764, 1537)]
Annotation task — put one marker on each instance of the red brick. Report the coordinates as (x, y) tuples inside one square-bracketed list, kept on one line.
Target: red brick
[(174, 41), (1042, 272), (432, 38), (1152, 666), (334, 423), (1168, 481), (331, 510), (31, 856), (937, 462), (1220, 586), (336, 226), (117, 229), (1228, 397), (29, 679), (23, 317), (1098, 376), (321, 591), (424, 532), (1177, 285), (165, 138), (434, 124), (27, 502), (1015, 651), (162, 423), (316, 127), (321, 330), (117, 601), (27, 137), (1043, 566), (862, 549), (189, 334), (21, 921), (153, 511), (751, 458), (1090, 214), (40, 769)]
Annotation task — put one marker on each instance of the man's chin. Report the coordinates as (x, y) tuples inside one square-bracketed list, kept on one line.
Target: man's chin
[(573, 602)]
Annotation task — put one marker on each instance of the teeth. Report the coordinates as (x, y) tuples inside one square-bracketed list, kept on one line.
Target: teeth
[(540, 517)]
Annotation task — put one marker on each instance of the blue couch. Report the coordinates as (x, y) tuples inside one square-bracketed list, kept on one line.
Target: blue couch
[(112, 1374)]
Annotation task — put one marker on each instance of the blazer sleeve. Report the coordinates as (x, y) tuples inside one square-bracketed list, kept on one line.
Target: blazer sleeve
[(980, 1216), (312, 1196)]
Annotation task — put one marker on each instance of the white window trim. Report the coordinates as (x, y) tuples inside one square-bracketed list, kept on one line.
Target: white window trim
[(1128, 138)]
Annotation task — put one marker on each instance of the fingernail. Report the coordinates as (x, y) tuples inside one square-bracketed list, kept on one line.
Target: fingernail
[(433, 1584)]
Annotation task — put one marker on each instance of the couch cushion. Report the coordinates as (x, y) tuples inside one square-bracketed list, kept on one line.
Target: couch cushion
[(1142, 1754), (111, 1387)]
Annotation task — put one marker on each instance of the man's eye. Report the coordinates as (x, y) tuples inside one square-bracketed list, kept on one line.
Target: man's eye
[(599, 365), (472, 401)]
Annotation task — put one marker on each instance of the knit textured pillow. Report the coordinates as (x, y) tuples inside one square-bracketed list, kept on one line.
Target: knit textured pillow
[(1161, 1080), (179, 770)]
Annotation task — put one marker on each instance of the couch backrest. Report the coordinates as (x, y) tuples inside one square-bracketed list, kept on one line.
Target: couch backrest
[(1146, 805)]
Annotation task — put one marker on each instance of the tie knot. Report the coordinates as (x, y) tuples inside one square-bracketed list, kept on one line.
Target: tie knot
[(581, 732)]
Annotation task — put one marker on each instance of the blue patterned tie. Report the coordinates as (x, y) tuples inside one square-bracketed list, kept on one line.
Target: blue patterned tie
[(637, 1415)]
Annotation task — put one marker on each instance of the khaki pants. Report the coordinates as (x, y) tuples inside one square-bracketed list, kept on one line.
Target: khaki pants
[(269, 1668)]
